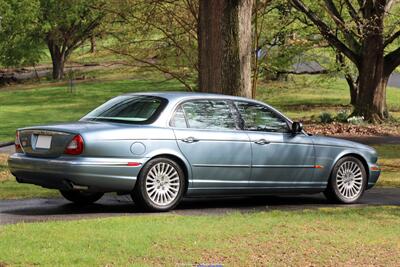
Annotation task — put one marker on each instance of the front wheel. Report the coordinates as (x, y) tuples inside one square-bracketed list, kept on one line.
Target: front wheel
[(348, 181), (160, 185), (81, 198)]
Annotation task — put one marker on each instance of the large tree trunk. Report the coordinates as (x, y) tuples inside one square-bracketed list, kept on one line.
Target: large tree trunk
[(372, 80), (225, 47), (58, 57), (210, 46), (58, 67)]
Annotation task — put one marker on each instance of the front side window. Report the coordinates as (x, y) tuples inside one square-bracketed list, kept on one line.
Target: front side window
[(260, 118), (128, 109), (209, 114)]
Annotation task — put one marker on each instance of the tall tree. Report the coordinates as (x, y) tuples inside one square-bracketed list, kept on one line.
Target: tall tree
[(67, 24), (224, 45), (158, 34), (18, 43), (364, 33)]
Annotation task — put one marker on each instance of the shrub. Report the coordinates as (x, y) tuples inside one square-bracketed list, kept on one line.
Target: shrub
[(325, 117), (342, 116)]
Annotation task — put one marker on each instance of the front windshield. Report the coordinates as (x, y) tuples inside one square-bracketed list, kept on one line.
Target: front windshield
[(128, 109)]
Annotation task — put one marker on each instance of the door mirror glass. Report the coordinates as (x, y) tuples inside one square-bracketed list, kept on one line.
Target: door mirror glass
[(297, 127)]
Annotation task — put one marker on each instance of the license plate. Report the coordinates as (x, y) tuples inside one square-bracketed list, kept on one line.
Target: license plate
[(43, 141)]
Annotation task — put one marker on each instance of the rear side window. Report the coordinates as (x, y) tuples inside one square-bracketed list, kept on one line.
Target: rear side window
[(129, 109), (205, 114), (260, 118), (178, 120)]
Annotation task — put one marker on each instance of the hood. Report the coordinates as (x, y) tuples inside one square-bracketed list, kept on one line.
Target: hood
[(331, 141)]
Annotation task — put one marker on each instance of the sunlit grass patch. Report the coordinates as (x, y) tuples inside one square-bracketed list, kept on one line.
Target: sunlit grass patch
[(389, 161), (329, 236)]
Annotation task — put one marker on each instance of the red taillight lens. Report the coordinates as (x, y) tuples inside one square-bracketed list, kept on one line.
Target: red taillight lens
[(18, 148), (75, 147)]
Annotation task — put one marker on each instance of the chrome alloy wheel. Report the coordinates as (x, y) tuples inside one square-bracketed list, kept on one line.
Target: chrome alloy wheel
[(349, 180), (162, 184)]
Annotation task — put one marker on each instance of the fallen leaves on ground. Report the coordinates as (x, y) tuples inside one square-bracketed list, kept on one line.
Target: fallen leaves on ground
[(347, 129)]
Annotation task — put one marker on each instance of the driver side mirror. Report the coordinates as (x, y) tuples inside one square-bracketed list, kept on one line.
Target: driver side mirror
[(297, 127)]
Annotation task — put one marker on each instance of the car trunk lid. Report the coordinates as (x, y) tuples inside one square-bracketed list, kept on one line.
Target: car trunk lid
[(50, 141), (44, 143)]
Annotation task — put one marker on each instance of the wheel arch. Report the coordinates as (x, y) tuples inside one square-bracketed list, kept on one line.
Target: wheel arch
[(181, 162), (355, 155)]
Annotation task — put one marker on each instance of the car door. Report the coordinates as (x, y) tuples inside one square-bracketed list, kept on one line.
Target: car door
[(207, 133), (280, 159)]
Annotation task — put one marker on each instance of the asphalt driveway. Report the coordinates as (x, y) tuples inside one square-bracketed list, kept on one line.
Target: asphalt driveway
[(32, 210)]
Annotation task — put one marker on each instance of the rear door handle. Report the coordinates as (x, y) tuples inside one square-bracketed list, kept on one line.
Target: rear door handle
[(190, 140), (261, 142)]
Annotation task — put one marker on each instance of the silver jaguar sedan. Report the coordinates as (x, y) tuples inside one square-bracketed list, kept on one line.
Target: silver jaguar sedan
[(160, 147)]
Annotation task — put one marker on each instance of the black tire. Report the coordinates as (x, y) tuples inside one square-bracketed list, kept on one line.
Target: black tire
[(81, 198), (142, 197), (338, 188)]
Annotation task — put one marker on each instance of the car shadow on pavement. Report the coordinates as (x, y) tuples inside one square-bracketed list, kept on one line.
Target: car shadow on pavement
[(30, 210), (117, 205)]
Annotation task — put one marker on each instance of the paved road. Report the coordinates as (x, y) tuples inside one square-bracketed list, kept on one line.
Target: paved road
[(31, 210)]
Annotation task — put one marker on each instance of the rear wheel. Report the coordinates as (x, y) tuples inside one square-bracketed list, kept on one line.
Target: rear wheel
[(348, 181), (160, 185), (81, 198)]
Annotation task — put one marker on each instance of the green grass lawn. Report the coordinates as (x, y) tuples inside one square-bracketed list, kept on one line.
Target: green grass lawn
[(389, 161), (330, 236)]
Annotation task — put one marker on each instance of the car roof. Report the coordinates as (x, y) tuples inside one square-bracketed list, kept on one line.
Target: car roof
[(177, 96)]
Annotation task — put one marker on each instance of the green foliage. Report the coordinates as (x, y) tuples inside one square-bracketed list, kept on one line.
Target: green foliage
[(69, 22), (18, 25), (27, 26), (342, 116), (280, 38), (325, 117), (159, 34)]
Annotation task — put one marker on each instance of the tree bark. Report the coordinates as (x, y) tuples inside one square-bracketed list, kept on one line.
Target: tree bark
[(93, 45), (58, 57), (225, 47), (58, 67), (372, 79), (210, 46)]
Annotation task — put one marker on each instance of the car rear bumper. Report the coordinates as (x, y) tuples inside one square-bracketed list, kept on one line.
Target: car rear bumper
[(92, 174)]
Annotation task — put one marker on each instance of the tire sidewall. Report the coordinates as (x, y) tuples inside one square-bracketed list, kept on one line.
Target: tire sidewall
[(333, 180), (142, 185)]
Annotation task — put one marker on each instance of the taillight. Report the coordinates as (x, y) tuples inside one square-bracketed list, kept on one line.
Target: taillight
[(75, 147), (18, 147)]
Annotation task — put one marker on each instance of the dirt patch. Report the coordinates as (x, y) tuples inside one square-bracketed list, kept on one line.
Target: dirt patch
[(347, 129)]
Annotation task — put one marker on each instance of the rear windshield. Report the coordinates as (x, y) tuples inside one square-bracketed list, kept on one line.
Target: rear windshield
[(129, 109)]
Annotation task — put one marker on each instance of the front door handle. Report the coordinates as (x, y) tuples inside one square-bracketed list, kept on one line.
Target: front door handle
[(261, 142), (190, 140)]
